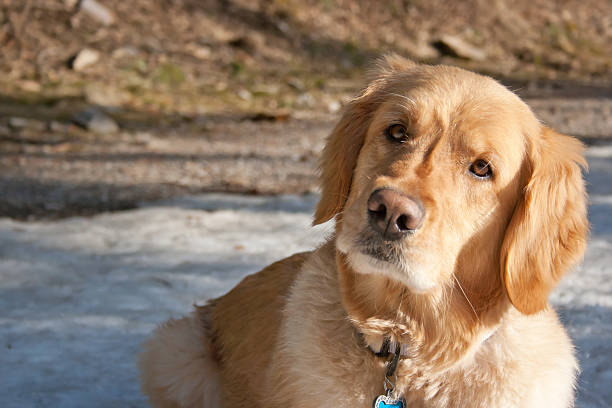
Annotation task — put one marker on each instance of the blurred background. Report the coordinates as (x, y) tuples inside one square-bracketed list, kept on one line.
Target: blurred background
[(144, 105), (108, 103)]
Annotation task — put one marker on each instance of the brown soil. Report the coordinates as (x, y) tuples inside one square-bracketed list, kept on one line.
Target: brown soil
[(238, 95)]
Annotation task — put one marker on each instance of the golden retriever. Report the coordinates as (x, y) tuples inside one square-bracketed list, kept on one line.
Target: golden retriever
[(456, 213)]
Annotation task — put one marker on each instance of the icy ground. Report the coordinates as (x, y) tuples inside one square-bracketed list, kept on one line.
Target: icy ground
[(78, 296)]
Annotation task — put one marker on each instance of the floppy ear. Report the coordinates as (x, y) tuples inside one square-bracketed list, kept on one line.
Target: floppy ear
[(344, 144), (340, 157), (547, 233)]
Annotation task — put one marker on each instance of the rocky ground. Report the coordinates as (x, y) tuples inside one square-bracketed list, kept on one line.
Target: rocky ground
[(51, 167)]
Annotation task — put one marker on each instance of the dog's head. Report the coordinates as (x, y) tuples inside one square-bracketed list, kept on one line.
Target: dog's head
[(437, 174)]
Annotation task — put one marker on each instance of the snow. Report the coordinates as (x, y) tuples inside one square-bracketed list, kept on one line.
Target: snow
[(78, 296)]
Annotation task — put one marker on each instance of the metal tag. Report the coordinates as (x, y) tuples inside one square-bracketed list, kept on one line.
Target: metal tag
[(386, 401)]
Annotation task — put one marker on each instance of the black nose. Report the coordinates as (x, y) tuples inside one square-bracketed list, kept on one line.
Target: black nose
[(393, 214)]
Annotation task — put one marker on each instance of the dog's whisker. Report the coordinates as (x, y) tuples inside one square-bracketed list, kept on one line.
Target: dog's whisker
[(466, 298)]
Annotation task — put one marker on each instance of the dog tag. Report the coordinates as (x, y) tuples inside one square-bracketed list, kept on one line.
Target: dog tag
[(386, 401)]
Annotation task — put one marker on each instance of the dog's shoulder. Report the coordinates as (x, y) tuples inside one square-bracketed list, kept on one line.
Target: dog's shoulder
[(243, 326), (536, 356), (541, 339), (257, 299)]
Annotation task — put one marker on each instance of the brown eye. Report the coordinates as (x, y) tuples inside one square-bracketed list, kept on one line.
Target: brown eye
[(397, 133), (481, 168)]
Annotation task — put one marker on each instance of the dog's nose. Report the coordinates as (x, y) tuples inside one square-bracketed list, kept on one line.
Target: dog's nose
[(393, 214)]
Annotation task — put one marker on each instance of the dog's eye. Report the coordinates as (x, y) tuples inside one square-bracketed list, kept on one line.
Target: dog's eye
[(397, 133), (481, 168)]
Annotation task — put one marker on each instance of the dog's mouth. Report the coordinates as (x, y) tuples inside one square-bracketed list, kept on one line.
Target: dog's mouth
[(370, 254), (380, 250)]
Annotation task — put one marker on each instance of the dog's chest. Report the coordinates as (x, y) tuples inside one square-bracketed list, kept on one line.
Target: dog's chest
[(323, 358), (472, 383)]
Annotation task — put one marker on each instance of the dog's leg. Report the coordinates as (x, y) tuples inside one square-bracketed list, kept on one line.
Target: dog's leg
[(178, 367)]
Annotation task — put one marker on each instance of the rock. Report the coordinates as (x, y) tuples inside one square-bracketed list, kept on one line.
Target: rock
[(420, 49), (283, 26), (305, 100), (202, 53), (107, 96), (84, 58), (456, 47), (97, 11), (244, 95), (59, 127), (126, 51), (142, 138), (30, 86), (16, 123), (96, 121), (333, 106), (296, 84), (424, 51)]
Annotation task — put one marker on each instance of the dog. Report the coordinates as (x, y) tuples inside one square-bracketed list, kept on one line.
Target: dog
[(456, 212)]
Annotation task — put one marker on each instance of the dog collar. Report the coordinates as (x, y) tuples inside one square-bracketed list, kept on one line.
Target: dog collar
[(389, 399), (387, 348)]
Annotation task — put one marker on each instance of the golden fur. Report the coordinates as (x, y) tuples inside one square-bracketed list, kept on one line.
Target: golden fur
[(464, 296)]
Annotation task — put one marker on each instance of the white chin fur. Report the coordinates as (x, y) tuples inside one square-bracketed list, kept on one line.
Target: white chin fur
[(343, 244), (365, 264)]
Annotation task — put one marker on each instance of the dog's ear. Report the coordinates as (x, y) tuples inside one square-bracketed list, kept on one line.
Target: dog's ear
[(547, 233), (344, 144), (340, 157)]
